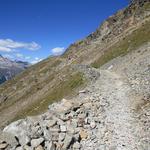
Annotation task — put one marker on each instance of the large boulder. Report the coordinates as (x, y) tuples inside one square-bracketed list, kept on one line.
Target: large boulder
[(18, 129)]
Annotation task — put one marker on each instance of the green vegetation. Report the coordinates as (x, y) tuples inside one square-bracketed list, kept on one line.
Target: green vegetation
[(65, 88), (146, 6), (131, 42), (31, 75), (80, 42), (51, 65)]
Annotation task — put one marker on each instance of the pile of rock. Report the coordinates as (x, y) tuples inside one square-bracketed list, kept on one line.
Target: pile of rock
[(67, 125), (89, 72)]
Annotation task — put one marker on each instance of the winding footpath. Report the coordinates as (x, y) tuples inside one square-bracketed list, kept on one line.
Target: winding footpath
[(119, 120)]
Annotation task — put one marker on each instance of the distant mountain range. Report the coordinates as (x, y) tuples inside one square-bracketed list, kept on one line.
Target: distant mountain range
[(9, 68)]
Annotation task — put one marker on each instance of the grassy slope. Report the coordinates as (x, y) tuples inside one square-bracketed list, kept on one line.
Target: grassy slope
[(42, 87), (64, 89), (129, 43), (27, 77)]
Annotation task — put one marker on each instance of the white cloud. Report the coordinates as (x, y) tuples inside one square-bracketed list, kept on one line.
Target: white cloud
[(33, 46), (36, 60), (27, 57), (8, 45), (5, 49), (19, 55), (58, 51)]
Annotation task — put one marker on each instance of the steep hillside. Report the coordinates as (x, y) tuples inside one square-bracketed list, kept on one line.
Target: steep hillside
[(57, 77), (112, 113), (8, 68)]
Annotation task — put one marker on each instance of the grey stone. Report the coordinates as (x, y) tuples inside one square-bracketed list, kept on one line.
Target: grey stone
[(62, 136), (49, 146), (93, 124), (81, 122), (83, 91), (63, 118), (19, 129), (86, 120), (47, 134), (3, 145), (76, 137), (63, 128), (8, 138), (102, 147), (74, 123), (55, 136), (36, 142), (67, 141), (76, 145), (35, 132), (77, 130), (55, 129), (26, 147), (39, 148), (82, 116), (51, 123), (60, 120), (19, 148)]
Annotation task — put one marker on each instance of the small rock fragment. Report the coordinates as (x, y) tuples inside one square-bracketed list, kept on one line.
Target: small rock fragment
[(49, 145), (8, 138), (83, 134), (36, 142), (19, 148), (51, 123), (93, 124), (39, 148), (82, 91), (3, 145), (26, 147), (67, 142), (76, 137), (62, 136), (63, 128), (76, 145)]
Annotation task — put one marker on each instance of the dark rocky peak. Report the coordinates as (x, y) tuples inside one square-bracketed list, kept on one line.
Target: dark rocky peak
[(23, 63), (139, 1)]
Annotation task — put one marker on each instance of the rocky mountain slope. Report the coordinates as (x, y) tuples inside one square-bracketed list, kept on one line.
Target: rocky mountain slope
[(111, 113), (8, 68), (121, 36)]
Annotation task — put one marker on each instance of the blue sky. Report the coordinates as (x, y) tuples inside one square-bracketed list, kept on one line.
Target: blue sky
[(32, 30)]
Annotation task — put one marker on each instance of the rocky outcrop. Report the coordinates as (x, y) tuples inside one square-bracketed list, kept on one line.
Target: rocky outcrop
[(89, 72), (115, 25)]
